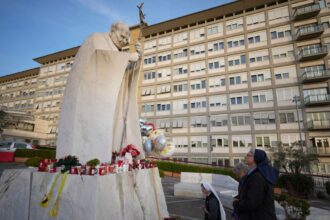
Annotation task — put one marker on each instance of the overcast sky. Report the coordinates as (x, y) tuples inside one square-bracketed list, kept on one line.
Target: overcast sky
[(34, 28)]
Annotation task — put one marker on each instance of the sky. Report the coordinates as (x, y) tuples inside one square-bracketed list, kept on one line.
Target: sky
[(34, 28)]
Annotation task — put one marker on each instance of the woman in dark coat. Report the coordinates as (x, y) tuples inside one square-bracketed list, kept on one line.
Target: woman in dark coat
[(256, 199)]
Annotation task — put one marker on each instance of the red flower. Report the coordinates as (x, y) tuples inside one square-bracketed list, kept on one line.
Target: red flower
[(130, 149)]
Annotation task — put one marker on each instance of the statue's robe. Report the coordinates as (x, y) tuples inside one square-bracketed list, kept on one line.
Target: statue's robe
[(101, 88)]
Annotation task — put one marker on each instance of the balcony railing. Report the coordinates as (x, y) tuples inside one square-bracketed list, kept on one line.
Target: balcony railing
[(320, 99), (318, 124), (319, 150), (312, 53), (313, 76), (309, 32), (305, 12)]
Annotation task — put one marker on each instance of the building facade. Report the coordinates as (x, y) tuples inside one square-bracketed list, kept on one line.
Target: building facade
[(248, 73)]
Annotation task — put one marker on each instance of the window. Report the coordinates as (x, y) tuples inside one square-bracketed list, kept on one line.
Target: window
[(197, 67), (180, 53), (150, 45), (197, 104), (149, 75), (197, 33), (181, 37), (212, 30), (234, 24), (163, 107), (257, 78), (198, 85), (146, 108), (180, 87), (239, 100), (264, 118), (198, 122), (253, 40), (255, 19), (280, 34), (219, 120), (278, 13), (287, 117), (239, 120), (235, 62), (215, 46), (164, 41), (235, 80), (263, 141), (180, 70), (242, 141), (197, 50), (214, 65), (199, 142), (235, 43), (279, 76), (220, 141), (165, 57), (217, 101), (149, 60)]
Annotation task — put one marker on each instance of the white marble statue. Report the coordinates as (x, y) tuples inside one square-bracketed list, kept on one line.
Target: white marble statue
[(99, 111)]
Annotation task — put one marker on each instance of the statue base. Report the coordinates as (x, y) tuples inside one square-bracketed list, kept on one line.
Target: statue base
[(130, 195)]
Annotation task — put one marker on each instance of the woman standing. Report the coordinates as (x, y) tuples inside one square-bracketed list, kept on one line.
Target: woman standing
[(213, 209), (256, 198)]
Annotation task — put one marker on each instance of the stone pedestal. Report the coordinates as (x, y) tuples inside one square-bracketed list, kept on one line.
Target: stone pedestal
[(130, 195)]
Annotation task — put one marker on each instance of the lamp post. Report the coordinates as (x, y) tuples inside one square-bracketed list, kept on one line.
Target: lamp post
[(210, 138), (296, 99)]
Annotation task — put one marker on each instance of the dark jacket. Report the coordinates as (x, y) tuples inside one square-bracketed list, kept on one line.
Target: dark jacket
[(212, 206), (256, 198)]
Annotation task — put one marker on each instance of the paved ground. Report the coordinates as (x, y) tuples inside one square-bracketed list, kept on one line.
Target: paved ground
[(181, 207)]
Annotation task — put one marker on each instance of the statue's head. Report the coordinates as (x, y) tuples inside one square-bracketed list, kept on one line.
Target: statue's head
[(120, 34)]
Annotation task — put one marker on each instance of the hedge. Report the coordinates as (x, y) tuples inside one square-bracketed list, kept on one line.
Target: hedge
[(297, 184), (33, 162), (178, 167), (49, 154), (327, 187)]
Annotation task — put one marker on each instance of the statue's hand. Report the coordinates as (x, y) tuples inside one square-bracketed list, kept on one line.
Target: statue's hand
[(134, 57), (138, 47)]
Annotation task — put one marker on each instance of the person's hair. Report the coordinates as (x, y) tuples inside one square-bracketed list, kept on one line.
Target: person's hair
[(252, 150), (241, 167)]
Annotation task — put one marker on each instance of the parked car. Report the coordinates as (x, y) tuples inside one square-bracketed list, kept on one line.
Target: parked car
[(11, 146)]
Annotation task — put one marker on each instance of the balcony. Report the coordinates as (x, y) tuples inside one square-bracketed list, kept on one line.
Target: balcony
[(305, 12), (319, 151), (308, 32), (320, 99), (312, 53), (318, 124), (315, 76)]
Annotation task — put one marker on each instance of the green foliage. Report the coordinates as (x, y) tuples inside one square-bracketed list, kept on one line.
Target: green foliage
[(292, 159), (161, 173), (45, 148), (33, 162), (46, 154), (94, 162), (67, 162), (297, 184), (177, 168), (327, 187), (294, 208)]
